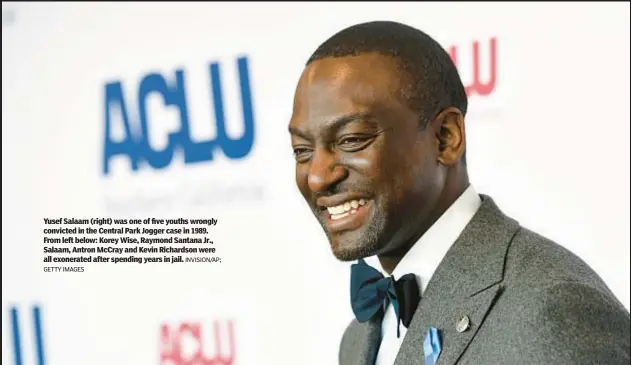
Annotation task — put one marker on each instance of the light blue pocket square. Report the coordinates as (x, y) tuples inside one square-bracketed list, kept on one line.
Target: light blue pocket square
[(431, 346)]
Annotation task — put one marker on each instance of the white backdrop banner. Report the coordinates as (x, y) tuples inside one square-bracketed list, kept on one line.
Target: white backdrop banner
[(165, 110)]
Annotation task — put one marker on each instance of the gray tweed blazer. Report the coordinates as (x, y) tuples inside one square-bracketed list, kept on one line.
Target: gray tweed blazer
[(504, 295)]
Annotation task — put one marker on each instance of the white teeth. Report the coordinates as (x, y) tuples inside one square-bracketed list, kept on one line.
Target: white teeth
[(339, 216), (342, 210), (336, 210)]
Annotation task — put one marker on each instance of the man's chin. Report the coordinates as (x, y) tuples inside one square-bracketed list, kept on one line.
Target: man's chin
[(352, 250), (347, 256), (352, 245)]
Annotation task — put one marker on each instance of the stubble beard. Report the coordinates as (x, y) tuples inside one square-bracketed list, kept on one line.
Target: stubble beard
[(362, 243)]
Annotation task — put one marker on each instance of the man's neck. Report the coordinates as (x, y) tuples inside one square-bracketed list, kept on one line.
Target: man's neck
[(390, 260)]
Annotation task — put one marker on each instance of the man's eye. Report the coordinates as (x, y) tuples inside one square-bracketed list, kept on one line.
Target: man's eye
[(298, 151), (301, 154), (352, 140), (354, 143)]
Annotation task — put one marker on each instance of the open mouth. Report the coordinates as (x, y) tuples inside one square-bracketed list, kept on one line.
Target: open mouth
[(345, 209), (350, 215)]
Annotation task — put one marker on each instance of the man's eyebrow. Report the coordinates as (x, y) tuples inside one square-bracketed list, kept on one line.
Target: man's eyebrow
[(297, 132), (333, 124)]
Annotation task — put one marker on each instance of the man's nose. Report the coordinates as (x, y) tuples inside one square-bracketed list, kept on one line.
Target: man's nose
[(325, 171)]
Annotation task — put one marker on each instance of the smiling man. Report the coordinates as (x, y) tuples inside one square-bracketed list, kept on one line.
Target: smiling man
[(441, 274)]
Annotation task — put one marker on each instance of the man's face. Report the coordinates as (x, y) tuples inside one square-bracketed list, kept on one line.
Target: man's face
[(363, 164)]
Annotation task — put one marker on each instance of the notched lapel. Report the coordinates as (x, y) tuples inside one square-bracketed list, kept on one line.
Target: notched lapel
[(475, 310), (447, 318), (466, 283)]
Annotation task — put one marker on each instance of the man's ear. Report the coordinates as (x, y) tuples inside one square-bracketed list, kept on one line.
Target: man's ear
[(450, 136)]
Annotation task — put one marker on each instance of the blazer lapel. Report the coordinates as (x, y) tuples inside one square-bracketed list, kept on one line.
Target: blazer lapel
[(463, 288)]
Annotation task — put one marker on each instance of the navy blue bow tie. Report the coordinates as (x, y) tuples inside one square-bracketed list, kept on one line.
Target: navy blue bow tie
[(371, 292)]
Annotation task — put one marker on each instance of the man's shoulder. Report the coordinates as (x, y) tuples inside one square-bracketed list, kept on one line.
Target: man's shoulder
[(558, 306), (553, 305), (534, 259), (529, 257), (555, 321)]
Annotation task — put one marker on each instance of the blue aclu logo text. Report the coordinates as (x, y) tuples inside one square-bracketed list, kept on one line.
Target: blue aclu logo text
[(33, 329), (135, 142)]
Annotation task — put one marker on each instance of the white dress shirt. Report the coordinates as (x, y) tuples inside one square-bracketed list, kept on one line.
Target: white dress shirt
[(422, 260)]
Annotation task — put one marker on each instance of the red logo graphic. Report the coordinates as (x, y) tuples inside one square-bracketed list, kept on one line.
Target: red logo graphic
[(477, 86), (172, 339)]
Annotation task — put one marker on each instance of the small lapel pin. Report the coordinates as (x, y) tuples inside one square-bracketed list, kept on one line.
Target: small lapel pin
[(431, 346), (463, 324)]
